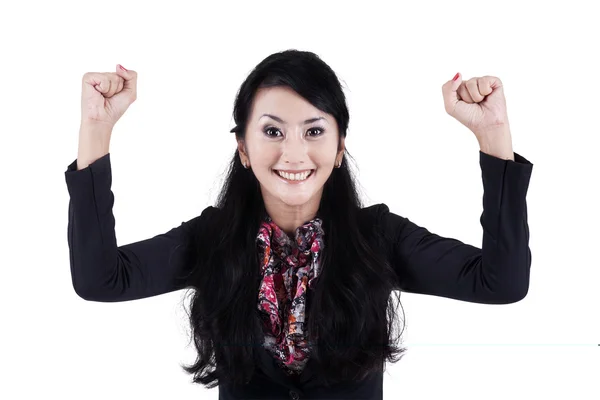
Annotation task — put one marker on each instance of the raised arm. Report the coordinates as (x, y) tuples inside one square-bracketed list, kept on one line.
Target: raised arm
[(497, 273), (103, 271)]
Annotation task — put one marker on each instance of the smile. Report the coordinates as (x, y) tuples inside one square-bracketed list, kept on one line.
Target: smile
[(294, 178)]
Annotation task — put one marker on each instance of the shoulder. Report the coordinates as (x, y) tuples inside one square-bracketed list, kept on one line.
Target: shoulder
[(387, 223), (372, 218), (375, 212), (211, 217), (205, 221), (210, 211)]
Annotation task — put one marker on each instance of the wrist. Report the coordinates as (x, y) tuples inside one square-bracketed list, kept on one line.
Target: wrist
[(497, 143), (94, 142)]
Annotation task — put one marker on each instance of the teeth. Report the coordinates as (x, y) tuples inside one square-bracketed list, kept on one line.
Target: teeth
[(294, 177)]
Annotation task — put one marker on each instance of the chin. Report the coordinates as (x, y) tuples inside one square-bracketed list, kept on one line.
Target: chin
[(294, 201)]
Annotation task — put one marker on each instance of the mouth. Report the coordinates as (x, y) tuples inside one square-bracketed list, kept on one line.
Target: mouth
[(294, 179)]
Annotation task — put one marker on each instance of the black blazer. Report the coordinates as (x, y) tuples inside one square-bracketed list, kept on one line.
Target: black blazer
[(497, 273)]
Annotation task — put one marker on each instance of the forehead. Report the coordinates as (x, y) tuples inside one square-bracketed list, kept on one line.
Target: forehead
[(285, 103)]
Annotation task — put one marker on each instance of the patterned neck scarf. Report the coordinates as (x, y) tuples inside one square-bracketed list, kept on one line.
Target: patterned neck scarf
[(288, 268)]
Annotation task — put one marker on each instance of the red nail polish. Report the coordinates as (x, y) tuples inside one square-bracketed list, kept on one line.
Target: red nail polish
[(122, 67), (455, 76)]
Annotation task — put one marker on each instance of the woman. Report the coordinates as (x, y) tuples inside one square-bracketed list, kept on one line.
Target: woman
[(291, 276)]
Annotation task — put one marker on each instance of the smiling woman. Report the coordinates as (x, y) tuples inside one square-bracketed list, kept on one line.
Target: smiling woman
[(292, 277), (321, 272)]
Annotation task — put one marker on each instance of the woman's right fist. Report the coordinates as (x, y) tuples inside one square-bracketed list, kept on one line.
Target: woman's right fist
[(105, 96)]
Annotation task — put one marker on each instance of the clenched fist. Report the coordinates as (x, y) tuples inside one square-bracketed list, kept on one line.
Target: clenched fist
[(478, 103), (105, 96)]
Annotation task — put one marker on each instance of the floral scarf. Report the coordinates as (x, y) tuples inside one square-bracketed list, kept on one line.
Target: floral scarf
[(288, 268)]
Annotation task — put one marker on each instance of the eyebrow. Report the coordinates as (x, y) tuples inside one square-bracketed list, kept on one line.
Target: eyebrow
[(308, 121)]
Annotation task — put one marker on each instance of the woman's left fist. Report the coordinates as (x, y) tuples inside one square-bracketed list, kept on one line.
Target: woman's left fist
[(478, 103)]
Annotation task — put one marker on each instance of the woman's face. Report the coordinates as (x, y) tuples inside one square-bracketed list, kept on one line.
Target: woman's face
[(286, 134)]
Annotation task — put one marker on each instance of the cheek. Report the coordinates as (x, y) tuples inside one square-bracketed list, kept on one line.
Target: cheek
[(324, 157), (264, 156)]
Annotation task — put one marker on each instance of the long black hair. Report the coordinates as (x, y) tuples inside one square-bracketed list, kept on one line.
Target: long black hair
[(350, 313)]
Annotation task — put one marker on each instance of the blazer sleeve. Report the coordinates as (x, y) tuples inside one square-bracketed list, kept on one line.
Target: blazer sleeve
[(497, 273), (101, 270)]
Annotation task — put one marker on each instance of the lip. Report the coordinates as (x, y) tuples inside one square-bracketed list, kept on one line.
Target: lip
[(289, 182)]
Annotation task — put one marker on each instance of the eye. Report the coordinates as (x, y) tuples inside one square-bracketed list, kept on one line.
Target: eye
[(269, 129), (318, 130)]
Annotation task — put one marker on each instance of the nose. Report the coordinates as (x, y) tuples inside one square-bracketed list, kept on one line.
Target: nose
[(294, 150)]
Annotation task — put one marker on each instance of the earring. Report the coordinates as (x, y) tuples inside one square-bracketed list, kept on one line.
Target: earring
[(245, 165)]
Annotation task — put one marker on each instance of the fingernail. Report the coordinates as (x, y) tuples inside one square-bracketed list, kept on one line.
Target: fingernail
[(122, 67), (455, 76)]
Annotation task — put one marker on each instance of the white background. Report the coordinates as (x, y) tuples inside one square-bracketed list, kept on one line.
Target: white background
[(169, 150)]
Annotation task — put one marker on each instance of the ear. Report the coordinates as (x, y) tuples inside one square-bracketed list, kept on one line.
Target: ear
[(242, 148), (342, 147)]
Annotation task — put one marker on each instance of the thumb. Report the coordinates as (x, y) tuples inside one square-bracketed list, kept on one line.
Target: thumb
[(130, 80), (449, 91)]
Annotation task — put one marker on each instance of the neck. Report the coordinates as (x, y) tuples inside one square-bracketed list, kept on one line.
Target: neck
[(290, 217)]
